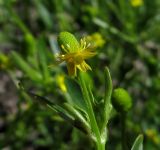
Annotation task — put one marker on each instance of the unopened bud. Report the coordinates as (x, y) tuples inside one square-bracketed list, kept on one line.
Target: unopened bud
[(121, 100)]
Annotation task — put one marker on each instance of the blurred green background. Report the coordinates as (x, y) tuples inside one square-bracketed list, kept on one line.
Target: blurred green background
[(126, 36)]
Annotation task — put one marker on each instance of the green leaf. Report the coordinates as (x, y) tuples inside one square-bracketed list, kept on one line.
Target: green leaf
[(61, 111), (89, 83), (42, 56), (107, 99), (93, 101), (67, 112), (75, 96), (88, 100), (80, 118), (108, 87), (88, 80), (30, 44), (40, 99), (138, 143), (44, 14)]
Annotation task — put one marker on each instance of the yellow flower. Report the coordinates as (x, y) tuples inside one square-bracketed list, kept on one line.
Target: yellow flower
[(96, 40), (75, 53), (136, 3), (153, 135), (61, 83), (4, 61)]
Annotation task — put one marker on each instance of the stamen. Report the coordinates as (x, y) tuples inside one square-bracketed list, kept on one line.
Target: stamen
[(88, 45), (81, 44), (62, 46), (68, 46), (81, 41), (85, 44)]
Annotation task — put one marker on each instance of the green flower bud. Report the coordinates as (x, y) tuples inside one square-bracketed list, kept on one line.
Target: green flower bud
[(68, 42), (121, 100)]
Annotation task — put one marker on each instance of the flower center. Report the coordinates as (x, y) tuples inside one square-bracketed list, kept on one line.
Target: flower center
[(78, 59)]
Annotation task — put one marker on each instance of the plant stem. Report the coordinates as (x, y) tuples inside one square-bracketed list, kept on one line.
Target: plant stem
[(90, 111), (100, 146), (123, 131)]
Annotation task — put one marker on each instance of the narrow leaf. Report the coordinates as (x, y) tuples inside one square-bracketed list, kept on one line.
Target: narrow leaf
[(61, 111), (80, 121), (107, 99), (138, 143), (40, 99), (68, 113), (25, 67)]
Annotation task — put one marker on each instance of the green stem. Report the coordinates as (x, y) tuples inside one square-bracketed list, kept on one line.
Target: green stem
[(100, 146), (123, 131), (90, 111)]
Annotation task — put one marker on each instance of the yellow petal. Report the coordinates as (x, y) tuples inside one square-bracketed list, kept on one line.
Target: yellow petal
[(71, 69), (61, 83), (83, 67), (87, 66), (88, 53)]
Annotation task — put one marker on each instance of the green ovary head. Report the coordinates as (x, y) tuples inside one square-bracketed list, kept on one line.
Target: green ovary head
[(121, 100), (68, 42)]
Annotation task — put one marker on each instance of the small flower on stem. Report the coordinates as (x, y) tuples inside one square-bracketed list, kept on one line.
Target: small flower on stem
[(75, 53)]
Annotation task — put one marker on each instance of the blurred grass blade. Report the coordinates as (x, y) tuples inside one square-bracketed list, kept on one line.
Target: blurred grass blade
[(53, 44), (112, 7), (138, 143), (42, 53), (44, 14), (22, 64), (30, 43), (114, 30)]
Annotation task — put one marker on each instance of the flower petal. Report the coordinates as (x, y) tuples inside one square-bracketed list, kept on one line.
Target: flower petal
[(71, 69), (88, 53), (83, 67)]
